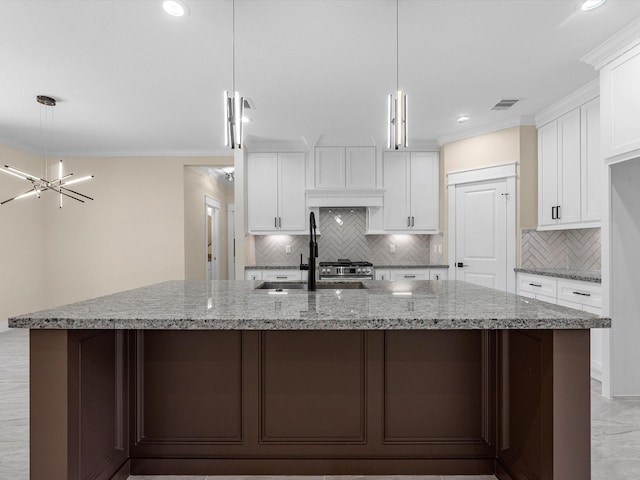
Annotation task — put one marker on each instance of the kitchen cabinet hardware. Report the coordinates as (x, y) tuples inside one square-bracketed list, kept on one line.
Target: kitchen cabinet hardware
[(558, 212), (281, 277), (408, 221), (536, 285), (582, 293), (409, 276)]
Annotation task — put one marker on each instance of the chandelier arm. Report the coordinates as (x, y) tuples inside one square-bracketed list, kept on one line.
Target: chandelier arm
[(17, 196), (74, 192), (59, 190)]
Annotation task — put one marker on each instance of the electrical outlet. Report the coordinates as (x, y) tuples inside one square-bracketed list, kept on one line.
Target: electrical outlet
[(287, 248), (392, 248)]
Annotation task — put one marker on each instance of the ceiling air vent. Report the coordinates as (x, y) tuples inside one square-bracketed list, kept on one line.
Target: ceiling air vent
[(505, 104)]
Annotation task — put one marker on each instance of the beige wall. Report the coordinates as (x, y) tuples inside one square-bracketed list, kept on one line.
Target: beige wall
[(132, 234), (197, 185), (515, 144), (22, 257)]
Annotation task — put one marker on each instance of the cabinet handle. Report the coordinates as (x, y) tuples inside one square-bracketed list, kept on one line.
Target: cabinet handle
[(583, 294), (279, 222), (408, 221), (535, 285), (281, 277), (553, 213), (413, 221), (558, 212), (409, 276), (275, 222)]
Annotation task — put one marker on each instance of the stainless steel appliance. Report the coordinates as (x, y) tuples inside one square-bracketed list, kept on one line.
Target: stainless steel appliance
[(345, 269)]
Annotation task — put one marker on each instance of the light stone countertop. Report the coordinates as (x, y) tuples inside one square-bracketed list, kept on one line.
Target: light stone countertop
[(383, 305), (405, 265), (593, 276)]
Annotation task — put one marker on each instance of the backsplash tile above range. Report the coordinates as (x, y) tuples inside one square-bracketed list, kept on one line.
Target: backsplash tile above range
[(578, 249), (343, 236)]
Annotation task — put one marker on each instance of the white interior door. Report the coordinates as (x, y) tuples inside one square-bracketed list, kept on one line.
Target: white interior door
[(481, 233), (212, 227)]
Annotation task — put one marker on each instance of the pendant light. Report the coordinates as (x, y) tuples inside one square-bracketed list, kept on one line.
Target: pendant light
[(38, 184), (397, 108), (233, 105)]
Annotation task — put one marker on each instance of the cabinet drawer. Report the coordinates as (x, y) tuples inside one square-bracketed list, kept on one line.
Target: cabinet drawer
[(409, 274), (537, 285), (281, 275), (584, 293)]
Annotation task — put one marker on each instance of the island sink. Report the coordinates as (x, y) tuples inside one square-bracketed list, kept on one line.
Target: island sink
[(281, 286)]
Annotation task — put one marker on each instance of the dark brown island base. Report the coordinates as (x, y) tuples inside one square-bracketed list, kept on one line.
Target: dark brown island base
[(220, 378)]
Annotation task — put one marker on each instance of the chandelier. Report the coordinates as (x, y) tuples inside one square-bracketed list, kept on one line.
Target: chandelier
[(38, 185)]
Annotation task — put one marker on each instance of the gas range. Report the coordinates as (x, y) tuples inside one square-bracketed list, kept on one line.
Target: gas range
[(345, 269)]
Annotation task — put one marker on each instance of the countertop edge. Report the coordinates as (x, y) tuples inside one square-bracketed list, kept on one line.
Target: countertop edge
[(569, 275)]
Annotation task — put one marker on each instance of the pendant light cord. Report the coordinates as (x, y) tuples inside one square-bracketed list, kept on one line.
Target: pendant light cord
[(233, 45), (397, 43)]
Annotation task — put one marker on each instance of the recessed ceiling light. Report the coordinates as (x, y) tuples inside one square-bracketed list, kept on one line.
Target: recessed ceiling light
[(591, 4), (175, 8), (463, 118)]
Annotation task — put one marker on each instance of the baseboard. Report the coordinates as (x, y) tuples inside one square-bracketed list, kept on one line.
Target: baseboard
[(123, 472)]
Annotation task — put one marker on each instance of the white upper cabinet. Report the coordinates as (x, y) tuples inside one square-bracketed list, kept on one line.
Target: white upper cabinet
[(276, 193), (570, 170), (345, 167), (411, 197), (592, 166), (619, 80)]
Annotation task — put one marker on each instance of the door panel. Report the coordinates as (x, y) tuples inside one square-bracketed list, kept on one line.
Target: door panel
[(424, 191), (262, 191), (397, 192), (291, 188), (569, 173), (481, 229), (547, 172)]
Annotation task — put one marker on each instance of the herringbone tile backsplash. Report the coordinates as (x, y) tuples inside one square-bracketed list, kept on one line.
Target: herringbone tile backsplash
[(343, 236), (579, 248)]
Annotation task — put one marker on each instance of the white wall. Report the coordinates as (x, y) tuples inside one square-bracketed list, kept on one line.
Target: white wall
[(132, 234), (22, 256)]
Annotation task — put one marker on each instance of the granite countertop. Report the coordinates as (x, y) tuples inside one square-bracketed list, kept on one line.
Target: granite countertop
[(272, 267), (413, 265), (569, 273), (383, 305), (296, 267)]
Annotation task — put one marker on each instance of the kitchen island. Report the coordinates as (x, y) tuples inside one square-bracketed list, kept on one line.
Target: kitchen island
[(219, 378)]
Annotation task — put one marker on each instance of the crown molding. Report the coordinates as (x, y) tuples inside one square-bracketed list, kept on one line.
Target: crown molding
[(488, 128), (621, 42), (572, 101)]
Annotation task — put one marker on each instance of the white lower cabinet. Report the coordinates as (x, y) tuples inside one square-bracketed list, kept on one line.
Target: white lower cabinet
[(269, 275), (411, 274), (585, 296)]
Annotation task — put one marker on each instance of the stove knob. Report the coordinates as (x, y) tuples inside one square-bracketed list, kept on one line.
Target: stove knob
[(359, 270)]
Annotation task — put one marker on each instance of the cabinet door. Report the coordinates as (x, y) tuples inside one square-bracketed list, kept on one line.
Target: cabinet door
[(547, 172), (262, 193), (253, 275), (395, 174), (382, 275), (438, 274), (291, 191), (424, 191), (592, 165), (569, 171), (330, 167), (360, 167)]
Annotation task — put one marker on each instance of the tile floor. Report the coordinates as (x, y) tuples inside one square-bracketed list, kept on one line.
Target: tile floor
[(615, 427)]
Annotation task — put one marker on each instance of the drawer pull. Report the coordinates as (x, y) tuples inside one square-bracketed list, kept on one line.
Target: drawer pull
[(583, 294), (535, 285), (409, 276), (281, 277)]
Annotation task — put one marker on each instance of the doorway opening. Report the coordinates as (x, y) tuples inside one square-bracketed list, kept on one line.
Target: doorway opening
[(212, 240)]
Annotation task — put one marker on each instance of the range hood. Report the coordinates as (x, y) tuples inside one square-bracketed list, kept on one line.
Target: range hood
[(365, 197)]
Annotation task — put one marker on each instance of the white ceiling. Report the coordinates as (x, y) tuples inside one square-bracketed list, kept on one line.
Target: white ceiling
[(132, 80)]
